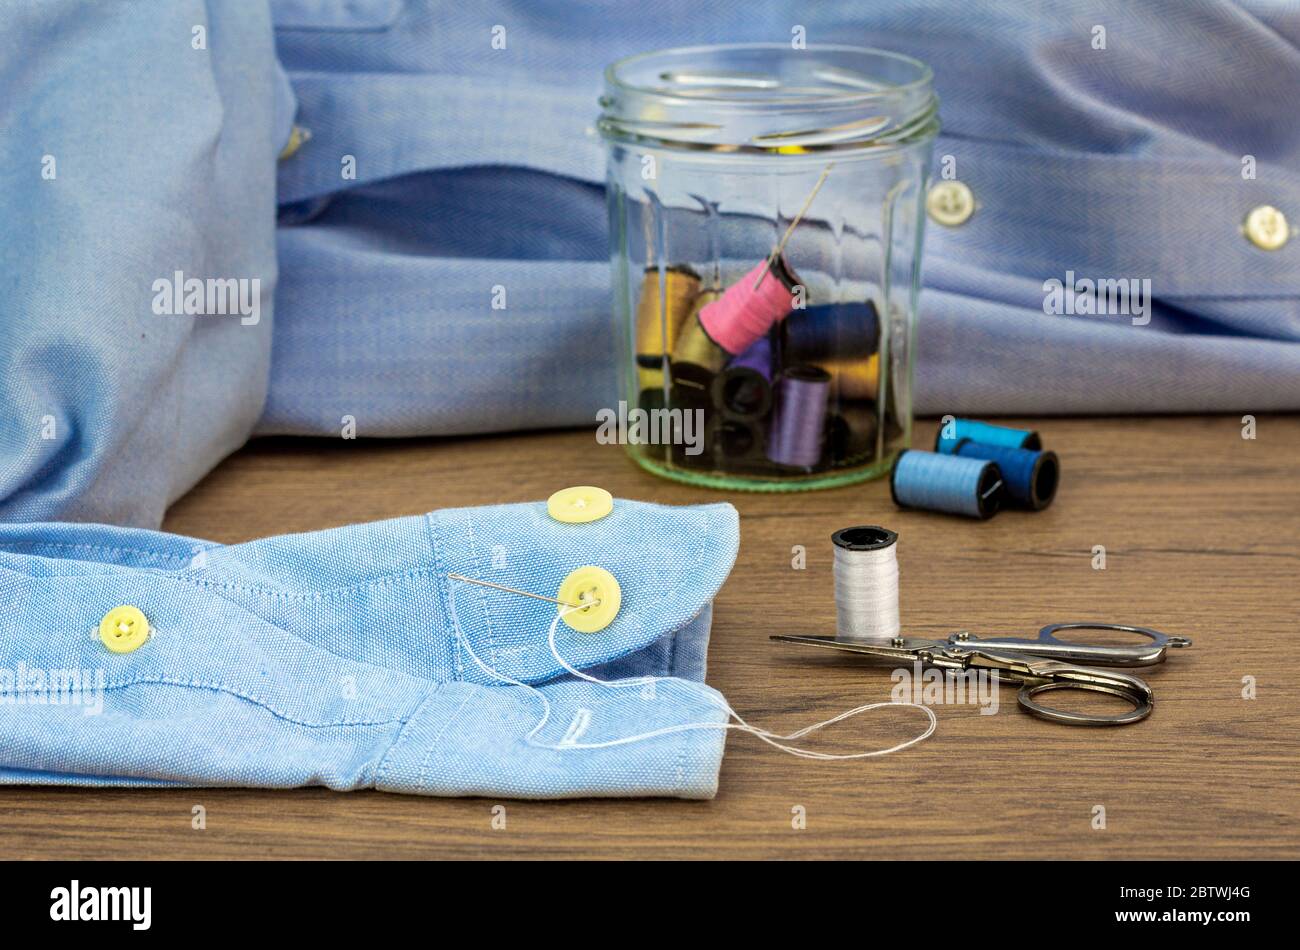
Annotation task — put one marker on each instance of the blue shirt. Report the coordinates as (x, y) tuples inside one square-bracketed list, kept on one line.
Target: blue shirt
[(331, 658), (444, 169)]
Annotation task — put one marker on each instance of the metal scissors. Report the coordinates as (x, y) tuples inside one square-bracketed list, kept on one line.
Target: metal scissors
[(1038, 665)]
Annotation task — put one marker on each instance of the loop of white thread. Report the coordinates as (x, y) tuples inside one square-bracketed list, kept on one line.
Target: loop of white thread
[(771, 738), (866, 593)]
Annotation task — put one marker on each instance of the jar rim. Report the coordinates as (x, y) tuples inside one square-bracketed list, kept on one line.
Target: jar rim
[(924, 77), (769, 98)]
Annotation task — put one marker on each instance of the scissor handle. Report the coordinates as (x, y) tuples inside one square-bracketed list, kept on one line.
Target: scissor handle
[(1126, 687), (1047, 644)]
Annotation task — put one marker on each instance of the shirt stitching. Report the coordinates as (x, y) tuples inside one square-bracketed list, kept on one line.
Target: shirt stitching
[(433, 742), (442, 585), (481, 591), (407, 726), (161, 680), (387, 580), (103, 549)]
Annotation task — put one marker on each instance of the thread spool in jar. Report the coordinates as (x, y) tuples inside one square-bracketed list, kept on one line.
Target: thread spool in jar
[(751, 306), (985, 433), (658, 323), (1030, 476), (851, 430), (799, 422), (690, 394), (933, 481), (744, 389), (831, 331), (650, 377), (651, 400), (695, 361), (866, 583), (855, 378), (694, 346), (735, 441)]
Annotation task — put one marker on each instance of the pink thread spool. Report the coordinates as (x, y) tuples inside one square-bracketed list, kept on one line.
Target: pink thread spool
[(744, 313)]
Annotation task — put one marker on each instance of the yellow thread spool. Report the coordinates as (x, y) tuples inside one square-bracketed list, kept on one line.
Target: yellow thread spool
[(656, 323), (854, 379), (650, 378)]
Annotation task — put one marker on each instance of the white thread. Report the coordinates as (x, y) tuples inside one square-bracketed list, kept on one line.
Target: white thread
[(581, 720), (698, 690), (866, 593)]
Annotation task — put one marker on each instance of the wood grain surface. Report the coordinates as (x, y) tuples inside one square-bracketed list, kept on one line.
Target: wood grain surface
[(1202, 536)]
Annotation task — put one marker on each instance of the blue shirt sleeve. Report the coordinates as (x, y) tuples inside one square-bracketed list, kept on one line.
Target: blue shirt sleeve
[(330, 658)]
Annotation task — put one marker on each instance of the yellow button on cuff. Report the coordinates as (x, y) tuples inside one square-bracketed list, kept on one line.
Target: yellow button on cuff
[(1266, 227), (593, 585), (950, 203), (580, 505), (124, 629)]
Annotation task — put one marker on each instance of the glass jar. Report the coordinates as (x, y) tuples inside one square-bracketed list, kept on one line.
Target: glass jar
[(756, 354)]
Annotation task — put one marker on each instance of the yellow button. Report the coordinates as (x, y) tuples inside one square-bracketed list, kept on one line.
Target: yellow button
[(950, 203), (597, 586), (1266, 228), (124, 629), (579, 505)]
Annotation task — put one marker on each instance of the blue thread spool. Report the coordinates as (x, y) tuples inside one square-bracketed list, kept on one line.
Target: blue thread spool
[(932, 481), (831, 331), (1031, 477), (985, 434)]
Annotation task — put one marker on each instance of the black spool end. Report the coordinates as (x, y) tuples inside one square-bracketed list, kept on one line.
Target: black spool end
[(735, 440), (990, 499), (743, 393), (1044, 480), (684, 269), (893, 473), (864, 537), (1032, 441), (806, 373), (785, 273)]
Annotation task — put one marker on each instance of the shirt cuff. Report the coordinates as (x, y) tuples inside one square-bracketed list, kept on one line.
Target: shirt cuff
[(467, 739)]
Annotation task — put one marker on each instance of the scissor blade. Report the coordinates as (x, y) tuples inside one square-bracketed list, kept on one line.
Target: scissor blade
[(883, 648)]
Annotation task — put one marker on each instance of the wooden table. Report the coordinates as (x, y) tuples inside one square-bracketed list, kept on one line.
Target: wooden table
[(1201, 530)]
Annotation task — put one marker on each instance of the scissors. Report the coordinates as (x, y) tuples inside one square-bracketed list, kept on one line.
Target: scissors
[(1039, 665)]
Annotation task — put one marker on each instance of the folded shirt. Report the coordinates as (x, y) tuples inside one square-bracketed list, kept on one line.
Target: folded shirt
[(478, 167), (445, 172), (330, 658)]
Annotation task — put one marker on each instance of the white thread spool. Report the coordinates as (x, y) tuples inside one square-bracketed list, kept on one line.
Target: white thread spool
[(866, 583)]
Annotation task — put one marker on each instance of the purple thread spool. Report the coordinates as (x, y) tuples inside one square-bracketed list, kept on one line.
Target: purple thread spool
[(800, 420), (744, 389)]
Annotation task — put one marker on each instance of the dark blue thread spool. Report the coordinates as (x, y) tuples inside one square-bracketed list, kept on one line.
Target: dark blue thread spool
[(836, 331), (1030, 476), (743, 390), (932, 481), (985, 433), (799, 423)]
